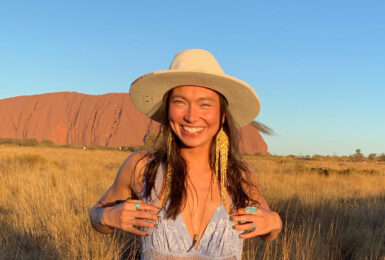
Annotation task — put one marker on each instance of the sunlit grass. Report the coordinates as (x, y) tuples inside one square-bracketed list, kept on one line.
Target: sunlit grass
[(45, 195)]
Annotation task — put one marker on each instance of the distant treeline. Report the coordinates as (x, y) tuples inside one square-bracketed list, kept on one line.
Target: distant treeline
[(151, 139), (49, 143), (356, 157)]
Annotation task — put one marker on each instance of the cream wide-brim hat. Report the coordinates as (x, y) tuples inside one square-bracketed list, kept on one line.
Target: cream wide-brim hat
[(195, 67)]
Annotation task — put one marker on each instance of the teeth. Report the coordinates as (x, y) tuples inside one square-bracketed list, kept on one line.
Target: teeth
[(192, 129)]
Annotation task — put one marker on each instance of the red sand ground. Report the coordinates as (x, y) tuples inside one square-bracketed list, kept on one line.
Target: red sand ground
[(80, 119)]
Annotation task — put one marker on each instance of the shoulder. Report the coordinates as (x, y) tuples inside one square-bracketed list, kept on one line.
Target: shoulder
[(136, 161), (132, 170)]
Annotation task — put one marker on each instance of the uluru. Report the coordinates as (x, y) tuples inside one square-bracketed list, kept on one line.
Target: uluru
[(109, 120)]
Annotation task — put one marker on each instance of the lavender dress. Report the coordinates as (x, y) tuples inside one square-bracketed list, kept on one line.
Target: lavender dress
[(171, 239)]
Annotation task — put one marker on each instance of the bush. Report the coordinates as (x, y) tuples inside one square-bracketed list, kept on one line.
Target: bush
[(47, 142), (9, 141), (358, 156), (28, 142), (127, 148), (317, 157), (381, 157)]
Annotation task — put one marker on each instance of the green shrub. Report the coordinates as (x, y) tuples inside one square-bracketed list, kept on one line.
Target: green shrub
[(47, 142), (358, 156), (317, 157), (127, 148), (381, 157), (9, 141), (28, 142)]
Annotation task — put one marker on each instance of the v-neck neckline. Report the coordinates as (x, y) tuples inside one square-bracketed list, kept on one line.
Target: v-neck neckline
[(204, 231)]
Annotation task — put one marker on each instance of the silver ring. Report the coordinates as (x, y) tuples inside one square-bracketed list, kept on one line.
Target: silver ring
[(253, 227), (137, 205)]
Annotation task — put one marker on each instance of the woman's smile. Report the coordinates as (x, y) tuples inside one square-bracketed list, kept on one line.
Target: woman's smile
[(194, 115), (191, 131)]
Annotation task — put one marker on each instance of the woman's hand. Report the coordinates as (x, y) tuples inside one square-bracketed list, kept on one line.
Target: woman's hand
[(257, 221), (131, 216)]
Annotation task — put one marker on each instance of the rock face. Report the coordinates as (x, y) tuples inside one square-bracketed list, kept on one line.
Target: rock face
[(81, 119)]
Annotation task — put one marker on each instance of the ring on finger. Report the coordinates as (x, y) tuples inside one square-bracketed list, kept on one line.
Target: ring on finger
[(137, 205), (251, 210), (253, 227)]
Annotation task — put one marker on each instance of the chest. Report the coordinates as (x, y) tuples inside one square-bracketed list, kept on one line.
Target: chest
[(203, 199)]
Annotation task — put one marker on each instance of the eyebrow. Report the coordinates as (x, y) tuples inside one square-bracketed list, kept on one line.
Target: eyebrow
[(199, 99)]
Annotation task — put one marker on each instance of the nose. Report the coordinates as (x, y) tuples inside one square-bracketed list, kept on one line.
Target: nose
[(191, 114)]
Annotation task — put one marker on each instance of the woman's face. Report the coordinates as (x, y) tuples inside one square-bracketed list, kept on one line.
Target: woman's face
[(194, 115)]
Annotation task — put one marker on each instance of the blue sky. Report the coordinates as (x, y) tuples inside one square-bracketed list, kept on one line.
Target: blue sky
[(317, 66)]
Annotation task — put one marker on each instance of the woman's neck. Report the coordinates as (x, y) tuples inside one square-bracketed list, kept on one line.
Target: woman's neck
[(197, 160)]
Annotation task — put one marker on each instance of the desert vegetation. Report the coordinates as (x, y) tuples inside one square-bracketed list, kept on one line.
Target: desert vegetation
[(332, 207)]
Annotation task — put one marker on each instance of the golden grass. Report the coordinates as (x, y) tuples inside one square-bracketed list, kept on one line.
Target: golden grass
[(328, 212)]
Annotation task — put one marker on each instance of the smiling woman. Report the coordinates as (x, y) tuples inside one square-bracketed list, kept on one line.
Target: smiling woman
[(194, 115), (193, 197)]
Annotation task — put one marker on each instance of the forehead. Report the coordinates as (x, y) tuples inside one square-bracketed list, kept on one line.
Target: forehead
[(194, 92)]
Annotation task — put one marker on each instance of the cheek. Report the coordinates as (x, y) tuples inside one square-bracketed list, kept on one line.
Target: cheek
[(174, 114), (213, 118)]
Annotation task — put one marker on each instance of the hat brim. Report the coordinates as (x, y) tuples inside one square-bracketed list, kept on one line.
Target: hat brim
[(147, 92)]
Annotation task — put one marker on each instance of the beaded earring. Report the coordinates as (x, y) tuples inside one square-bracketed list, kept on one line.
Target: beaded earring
[(169, 167), (221, 157)]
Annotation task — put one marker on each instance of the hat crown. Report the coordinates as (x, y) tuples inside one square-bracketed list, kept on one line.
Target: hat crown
[(196, 60)]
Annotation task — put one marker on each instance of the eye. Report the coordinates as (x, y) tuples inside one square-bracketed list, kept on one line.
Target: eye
[(178, 101), (205, 105)]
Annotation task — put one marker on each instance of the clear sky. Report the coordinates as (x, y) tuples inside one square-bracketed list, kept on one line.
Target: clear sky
[(317, 66)]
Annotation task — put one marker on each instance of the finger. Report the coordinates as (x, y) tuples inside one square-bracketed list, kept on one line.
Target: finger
[(249, 226), (246, 234), (132, 205), (243, 218), (134, 230), (142, 215), (247, 210), (259, 230), (143, 223)]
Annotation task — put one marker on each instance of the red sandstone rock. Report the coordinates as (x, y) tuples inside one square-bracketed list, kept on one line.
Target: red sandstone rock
[(80, 119)]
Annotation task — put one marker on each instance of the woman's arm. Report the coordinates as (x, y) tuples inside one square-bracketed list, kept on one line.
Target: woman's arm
[(108, 213)]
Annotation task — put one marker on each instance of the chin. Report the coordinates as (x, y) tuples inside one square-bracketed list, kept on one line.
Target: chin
[(193, 144)]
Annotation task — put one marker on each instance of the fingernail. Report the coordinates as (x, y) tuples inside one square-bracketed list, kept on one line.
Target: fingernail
[(156, 225), (158, 217)]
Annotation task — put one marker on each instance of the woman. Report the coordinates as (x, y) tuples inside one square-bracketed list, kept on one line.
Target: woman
[(193, 197)]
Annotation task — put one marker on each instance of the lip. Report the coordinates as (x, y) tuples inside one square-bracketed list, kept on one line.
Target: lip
[(186, 133)]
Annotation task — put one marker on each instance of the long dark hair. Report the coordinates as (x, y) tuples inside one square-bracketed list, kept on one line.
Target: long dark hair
[(238, 173)]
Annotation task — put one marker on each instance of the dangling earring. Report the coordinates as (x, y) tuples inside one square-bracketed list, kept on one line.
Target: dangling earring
[(221, 157), (169, 168)]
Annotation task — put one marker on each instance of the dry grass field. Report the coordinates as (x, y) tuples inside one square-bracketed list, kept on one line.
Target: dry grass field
[(331, 209)]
